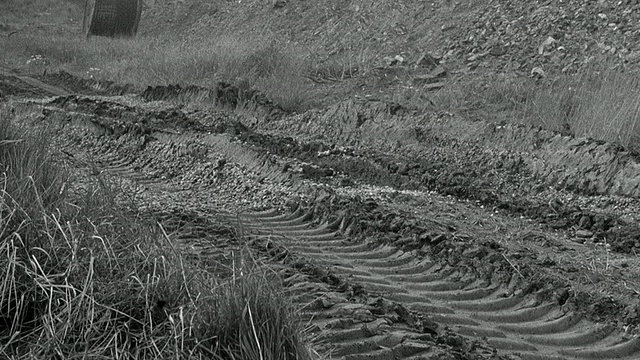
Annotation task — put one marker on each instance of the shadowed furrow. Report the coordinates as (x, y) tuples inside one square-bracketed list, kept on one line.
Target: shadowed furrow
[(515, 324)]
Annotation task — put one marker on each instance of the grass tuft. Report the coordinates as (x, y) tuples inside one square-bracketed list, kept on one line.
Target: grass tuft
[(598, 102), (81, 276)]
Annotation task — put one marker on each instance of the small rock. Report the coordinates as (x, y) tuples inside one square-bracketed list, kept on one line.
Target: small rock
[(428, 61), (220, 164), (546, 43), (330, 299), (438, 239), (585, 222), (363, 315), (475, 252), (346, 182), (434, 77), (498, 50), (392, 61), (439, 72), (537, 72), (558, 223), (377, 327), (584, 234), (434, 86)]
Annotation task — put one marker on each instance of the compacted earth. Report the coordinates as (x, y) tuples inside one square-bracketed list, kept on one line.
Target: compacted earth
[(400, 233)]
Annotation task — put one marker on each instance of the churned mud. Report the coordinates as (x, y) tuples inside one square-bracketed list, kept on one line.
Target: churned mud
[(399, 234)]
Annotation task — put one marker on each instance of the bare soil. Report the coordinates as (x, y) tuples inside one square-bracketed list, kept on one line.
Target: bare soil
[(395, 246)]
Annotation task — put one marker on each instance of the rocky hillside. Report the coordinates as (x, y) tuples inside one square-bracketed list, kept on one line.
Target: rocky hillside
[(497, 35)]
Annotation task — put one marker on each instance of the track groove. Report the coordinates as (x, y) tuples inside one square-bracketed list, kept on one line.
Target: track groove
[(477, 308), (458, 299)]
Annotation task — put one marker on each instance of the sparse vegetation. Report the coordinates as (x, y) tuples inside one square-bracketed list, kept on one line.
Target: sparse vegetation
[(279, 70), (83, 277), (598, 102)]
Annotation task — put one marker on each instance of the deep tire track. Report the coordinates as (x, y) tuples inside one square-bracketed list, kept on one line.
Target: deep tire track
[(456, 299), (461, 299), (466, 303)]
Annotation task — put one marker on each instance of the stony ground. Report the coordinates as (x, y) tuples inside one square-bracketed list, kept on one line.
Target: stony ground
[(396, 241)]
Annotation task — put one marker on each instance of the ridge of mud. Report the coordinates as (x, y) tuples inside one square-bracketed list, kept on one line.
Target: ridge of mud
[(453, 177), (363, 218), (580, 165), (11, 85), (224, 95), (458, 282), (465, 160), (468, 172), (24, 86), (60, 83)]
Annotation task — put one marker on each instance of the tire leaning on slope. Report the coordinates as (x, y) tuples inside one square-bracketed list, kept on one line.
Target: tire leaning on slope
[(111, 17)]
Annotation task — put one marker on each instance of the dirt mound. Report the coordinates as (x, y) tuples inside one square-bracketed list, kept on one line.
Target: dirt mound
[(10, 85)]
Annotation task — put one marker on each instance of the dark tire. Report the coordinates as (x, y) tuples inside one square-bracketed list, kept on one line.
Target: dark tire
[(89, 6), (112, 17), (138, 11)]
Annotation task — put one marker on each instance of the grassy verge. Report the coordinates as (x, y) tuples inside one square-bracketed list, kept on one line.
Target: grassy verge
[(81, 277), (279, 70), (598, 102)]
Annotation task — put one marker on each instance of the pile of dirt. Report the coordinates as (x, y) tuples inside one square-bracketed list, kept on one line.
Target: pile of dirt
[(223, 95)]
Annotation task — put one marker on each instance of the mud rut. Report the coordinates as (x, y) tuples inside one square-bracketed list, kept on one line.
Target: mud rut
[(199, 172)]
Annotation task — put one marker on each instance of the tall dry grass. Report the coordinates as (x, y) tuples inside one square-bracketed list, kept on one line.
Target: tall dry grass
[(598, 102), (82, 277), (276, 68)]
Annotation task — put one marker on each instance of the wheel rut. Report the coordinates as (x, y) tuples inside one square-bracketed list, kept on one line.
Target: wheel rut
[(413, 298), (459, 299)]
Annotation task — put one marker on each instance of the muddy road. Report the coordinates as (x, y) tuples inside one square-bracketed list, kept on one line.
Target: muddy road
[(401, 235)]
